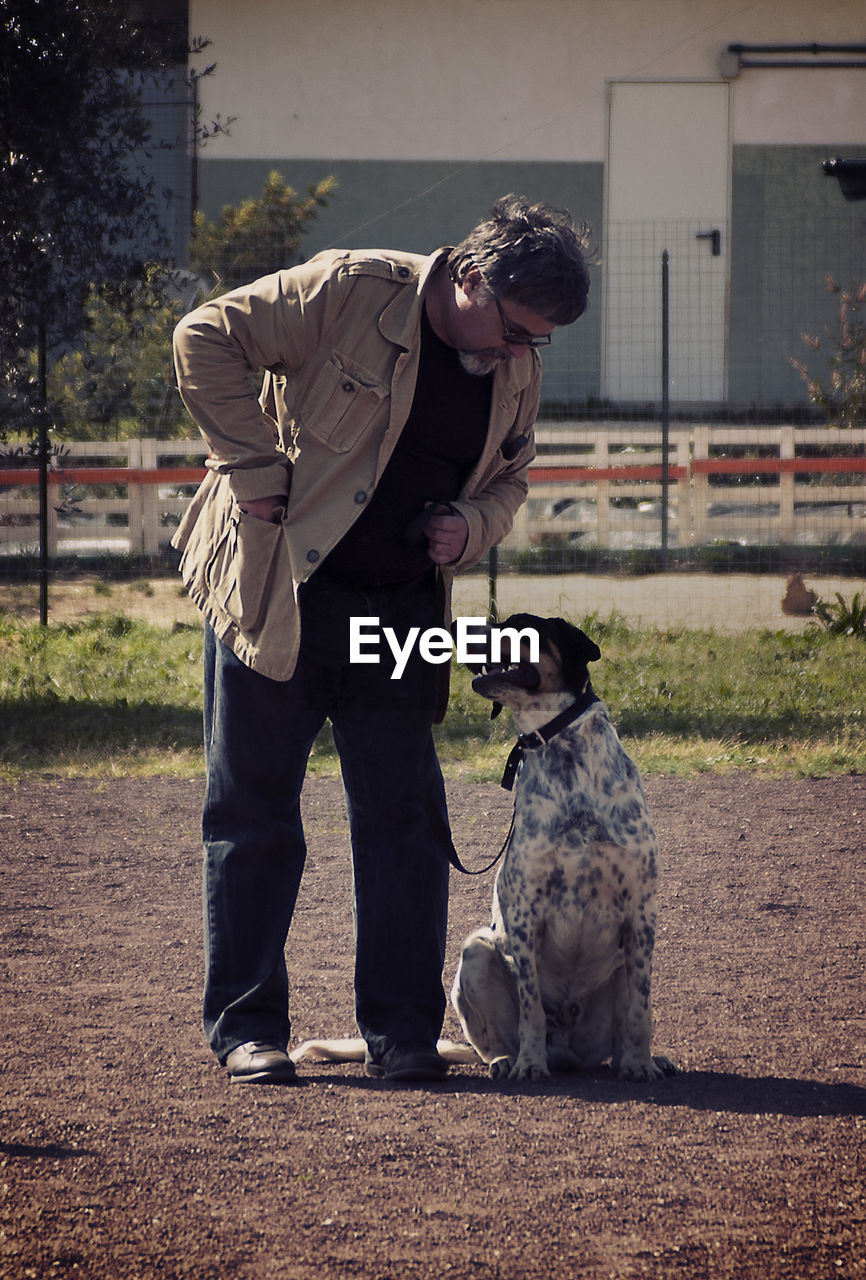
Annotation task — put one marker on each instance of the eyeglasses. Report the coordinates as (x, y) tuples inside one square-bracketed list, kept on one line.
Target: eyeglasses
[(519, 339)]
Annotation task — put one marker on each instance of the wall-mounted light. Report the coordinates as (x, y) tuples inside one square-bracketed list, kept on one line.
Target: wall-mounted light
[(851, 175)]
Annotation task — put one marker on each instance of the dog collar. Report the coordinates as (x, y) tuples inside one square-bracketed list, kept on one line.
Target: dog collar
[(540, 737)]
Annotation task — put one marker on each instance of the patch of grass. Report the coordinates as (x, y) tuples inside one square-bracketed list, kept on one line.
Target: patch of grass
[(688, 702), (109, 695), (105, 695)]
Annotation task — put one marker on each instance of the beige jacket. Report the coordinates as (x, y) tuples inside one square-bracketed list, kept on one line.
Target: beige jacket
[(338, 339)]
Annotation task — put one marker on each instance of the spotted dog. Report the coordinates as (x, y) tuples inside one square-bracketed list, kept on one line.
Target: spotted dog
[(561, 979)]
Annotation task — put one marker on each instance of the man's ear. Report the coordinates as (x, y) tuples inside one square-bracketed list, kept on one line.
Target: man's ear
[(471, 283)]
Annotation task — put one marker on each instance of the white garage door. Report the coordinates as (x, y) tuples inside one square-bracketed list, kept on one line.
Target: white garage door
[(668, 188)]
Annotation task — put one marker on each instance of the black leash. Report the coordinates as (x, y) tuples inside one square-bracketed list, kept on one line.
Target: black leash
[(455, 861), (530, 742)]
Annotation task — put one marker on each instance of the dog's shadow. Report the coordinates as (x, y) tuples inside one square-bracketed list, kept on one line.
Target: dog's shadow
[(728, 1092), (697, 1090)]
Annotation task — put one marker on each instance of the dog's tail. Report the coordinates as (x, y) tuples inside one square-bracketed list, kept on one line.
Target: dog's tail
[(355, 1050)]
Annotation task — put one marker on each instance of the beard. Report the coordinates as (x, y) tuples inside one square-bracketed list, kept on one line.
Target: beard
[(480, 363)]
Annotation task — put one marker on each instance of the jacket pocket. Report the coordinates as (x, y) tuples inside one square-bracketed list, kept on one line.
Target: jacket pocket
[(341, 402), (240, 572)]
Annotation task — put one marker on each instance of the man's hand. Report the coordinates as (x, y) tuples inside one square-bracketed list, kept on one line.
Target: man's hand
[(270, 509), (446, 536)]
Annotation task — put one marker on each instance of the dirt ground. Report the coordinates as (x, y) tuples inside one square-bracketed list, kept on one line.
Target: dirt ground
[(126, 1153)]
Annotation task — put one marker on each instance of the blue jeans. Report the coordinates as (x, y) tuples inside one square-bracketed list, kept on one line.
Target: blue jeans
[(258, 736)]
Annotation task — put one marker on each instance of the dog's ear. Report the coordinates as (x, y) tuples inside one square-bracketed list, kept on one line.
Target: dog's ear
[(576, 650)]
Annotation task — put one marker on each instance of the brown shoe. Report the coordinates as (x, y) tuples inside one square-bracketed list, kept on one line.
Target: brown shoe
[(260, 1062)]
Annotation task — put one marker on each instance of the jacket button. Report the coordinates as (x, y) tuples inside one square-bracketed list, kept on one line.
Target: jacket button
[(312, 556), (403, 272), (348, 387), (360, 497)]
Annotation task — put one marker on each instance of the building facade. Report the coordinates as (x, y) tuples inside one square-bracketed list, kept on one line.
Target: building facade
[(690, 130)]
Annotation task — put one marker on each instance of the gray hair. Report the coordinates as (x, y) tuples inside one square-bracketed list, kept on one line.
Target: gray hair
[(533, 253)]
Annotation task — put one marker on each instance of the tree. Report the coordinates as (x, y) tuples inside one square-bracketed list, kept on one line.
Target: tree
[(74, 210), (119, 380), (257, 236), (842, 392)]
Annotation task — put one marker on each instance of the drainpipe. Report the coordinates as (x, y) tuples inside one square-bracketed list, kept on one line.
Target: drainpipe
[(738, 57)]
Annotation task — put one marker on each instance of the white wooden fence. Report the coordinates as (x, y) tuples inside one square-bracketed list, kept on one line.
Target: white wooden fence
[(597, 485), (123, 497), (601, 485)]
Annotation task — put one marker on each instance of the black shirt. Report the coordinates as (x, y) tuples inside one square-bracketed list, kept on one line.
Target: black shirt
[(437, 449)]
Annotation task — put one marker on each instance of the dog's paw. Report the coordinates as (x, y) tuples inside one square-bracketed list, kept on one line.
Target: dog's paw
[(665, 1065), (500, 1068), (646, 1069), (527, 1069)]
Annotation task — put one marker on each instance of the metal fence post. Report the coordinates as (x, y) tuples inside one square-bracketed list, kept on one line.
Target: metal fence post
[(666, 399), (43, 474), (492, 578)]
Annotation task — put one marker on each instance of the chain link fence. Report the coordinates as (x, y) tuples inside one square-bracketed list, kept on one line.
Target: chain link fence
[(675, 483)]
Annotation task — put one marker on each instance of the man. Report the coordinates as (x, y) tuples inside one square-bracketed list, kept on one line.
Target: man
[(389, 447)]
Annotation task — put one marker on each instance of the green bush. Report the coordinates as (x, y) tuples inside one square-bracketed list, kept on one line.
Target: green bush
[(843, 618)]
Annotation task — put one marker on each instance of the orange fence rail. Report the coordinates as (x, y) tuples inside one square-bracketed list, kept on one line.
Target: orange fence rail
[(103, 475), (600, 483)]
